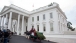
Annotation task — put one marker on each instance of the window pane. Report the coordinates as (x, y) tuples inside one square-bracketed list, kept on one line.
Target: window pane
[(37, 27), (37, 18), (51, 26), (32, 19), (44, 17), (26, 20), (51, 16), (44, 28), (59, 26)]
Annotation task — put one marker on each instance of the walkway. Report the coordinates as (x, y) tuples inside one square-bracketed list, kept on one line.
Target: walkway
[(21, 39)]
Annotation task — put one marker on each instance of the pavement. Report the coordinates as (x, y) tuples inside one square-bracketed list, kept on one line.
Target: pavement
[(61, 40), (22, 39)]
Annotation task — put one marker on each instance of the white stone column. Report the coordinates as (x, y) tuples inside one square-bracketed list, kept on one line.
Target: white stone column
[(18, 24), (22, 30), (47, 28), (29, 25), (2, 23), (6, 21), (41, 28), (13, 29), (10, 20)]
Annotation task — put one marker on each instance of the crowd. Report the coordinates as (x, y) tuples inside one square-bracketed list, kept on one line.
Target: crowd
[(5, 35)]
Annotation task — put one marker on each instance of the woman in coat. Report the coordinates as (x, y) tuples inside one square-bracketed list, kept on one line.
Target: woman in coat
[(33, 33)]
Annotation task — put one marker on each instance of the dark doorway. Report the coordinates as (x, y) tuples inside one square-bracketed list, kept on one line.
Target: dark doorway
[(26, 28)]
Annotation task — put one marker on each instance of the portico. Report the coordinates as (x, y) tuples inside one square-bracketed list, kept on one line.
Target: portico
[(10, 15)]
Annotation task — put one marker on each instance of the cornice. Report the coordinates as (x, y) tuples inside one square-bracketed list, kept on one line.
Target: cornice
[(14, 9), (20, 11), (36, 11), (61, 11), (43, 10)]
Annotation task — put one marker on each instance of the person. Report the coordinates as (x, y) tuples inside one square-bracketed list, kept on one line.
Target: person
[(6, 35), (33, 33), (9, 33), (1, 35)]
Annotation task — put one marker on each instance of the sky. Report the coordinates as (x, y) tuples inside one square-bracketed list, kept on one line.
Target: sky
[(67, 6)]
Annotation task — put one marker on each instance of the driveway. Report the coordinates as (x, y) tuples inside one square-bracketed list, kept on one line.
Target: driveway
[(22, 39)]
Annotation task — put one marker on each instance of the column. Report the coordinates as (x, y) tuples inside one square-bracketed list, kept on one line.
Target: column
[(47, 28), (29, 24), (2, 23), (18, 25), (41, 27), (22, 31), (6, 21), (10, 20)]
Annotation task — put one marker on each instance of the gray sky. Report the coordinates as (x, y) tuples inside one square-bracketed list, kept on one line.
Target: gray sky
[(68, 6)]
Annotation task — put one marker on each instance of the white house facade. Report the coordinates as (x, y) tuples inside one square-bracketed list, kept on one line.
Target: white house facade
[(49, 19)]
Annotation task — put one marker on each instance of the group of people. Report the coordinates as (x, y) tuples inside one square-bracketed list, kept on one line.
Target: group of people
[(5, 35), (32, 33)]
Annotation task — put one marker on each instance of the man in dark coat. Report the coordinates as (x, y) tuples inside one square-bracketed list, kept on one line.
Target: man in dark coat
[(6, 35), (1, 34)]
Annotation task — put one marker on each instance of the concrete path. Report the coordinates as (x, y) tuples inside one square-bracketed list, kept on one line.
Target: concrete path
[(22, 39), (61, 40)]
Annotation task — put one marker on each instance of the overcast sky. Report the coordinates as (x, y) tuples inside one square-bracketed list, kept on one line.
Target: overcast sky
[(67, 6)]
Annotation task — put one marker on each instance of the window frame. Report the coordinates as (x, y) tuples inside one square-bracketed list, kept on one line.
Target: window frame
[(37, 18), (44, 29), (51, 15), (51, 27), (32, 19), (37, 27), (43, 16), (26, 20)]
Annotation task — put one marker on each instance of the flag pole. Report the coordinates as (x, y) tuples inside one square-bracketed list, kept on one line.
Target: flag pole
[(33, 6)]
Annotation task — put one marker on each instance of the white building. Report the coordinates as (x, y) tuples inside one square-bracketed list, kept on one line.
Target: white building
[(49, 19)]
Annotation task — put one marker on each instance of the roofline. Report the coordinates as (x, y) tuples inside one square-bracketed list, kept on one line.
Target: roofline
[(4, 7), (61, 11), (36, 10), (18, 7)]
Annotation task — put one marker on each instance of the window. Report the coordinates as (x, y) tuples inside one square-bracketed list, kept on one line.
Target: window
[(44, 17), (58, 16), (32, 19), (37, 18), (37, 27), (59, 26), (26, 20), (51, 26), (51, 16), (44, 28)]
